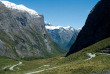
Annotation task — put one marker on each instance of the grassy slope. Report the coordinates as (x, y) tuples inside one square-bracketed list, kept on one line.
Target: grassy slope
[(76, 63), (73, 64), (4, 61)]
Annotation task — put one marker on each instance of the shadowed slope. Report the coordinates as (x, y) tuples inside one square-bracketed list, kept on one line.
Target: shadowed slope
[(97, 27)]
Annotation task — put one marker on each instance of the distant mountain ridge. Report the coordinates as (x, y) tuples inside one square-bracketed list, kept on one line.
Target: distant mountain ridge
[(62, 35)]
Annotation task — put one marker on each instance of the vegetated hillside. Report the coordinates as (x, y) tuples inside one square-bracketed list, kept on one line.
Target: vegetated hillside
[(97, 27), (23, 34), (76, 63), (63, 36)]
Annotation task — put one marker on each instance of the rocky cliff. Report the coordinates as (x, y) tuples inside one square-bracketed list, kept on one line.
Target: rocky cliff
[(23, 34), (97, 27), (63, 36)]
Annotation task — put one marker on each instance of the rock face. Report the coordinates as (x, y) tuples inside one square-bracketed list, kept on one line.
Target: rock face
[(97, 27), (62, 35), (22, 33)]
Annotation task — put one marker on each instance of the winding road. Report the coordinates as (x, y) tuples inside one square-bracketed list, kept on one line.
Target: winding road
[(91, 55), (11, 68), (41, 70)]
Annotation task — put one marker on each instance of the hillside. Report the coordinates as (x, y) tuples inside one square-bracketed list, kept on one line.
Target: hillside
[(77, 63), (23, 34), (27, 37), (96, 28)]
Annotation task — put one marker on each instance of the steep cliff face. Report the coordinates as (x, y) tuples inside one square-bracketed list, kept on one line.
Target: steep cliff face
[(97, 27), (62, 35), (22, 33)]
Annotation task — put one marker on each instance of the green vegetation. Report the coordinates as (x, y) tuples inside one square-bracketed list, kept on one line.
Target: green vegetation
[(73, 64), (5, 63), (7, 41)]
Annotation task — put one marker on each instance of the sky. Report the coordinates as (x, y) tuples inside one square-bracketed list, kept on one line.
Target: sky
[(61, 12)]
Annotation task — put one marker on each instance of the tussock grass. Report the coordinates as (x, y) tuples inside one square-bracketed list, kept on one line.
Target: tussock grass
[(73, 64)]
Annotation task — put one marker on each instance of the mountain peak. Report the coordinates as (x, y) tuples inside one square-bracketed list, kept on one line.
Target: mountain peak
[(63, 36), (19, 7), (47, 24)]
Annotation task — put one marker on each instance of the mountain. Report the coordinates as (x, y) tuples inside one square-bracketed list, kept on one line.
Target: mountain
[(62, 35), (75, 34), (47, 24), (97, 27), (93, 59), (23, 33)]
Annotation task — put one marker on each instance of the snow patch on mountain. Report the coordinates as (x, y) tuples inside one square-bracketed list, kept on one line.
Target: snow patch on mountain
[(63, 36), (53, 27), (47, 24), (59, 27), (19, 7)]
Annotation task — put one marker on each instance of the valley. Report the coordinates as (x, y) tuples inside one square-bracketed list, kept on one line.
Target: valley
[(63, 36), (76, 63), (29, 45)]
